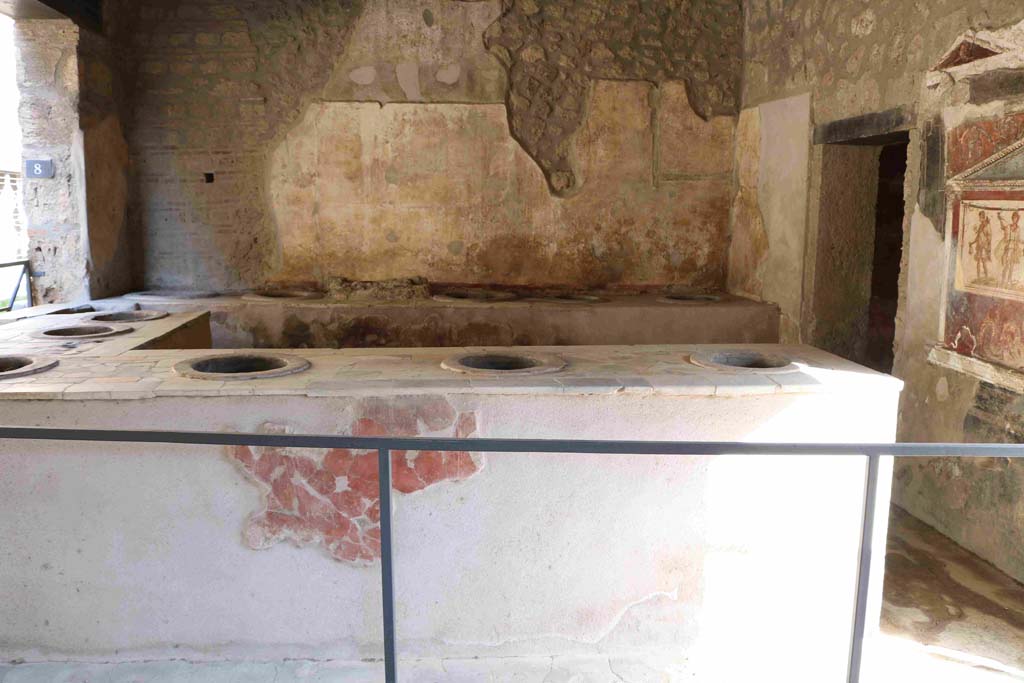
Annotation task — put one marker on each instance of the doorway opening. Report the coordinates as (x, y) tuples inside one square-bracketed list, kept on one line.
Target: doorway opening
[(859, 247), (888, 252)]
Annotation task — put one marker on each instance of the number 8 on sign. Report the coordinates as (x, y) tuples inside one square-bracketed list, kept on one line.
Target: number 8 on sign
[(38, 168)]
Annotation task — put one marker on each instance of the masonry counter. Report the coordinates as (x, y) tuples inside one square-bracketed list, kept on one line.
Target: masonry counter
[(507, 565)]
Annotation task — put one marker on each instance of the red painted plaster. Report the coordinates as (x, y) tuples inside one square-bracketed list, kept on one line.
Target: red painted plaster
[(331, 498), (972, 143)]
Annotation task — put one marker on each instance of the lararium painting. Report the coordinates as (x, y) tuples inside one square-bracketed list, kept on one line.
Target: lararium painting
[(985, 286), (990, 258)]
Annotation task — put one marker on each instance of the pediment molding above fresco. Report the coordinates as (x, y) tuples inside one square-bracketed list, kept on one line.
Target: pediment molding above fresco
[(976, 46), (1005, 168)]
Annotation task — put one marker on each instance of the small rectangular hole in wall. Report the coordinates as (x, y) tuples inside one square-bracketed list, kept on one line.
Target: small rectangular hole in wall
[(207, 178)]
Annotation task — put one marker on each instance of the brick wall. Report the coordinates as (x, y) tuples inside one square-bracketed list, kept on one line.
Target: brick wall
[(48, 83), (213, 83)]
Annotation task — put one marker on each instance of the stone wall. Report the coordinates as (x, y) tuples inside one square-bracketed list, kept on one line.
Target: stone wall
[(215, 82), (220, 84), (862, 58), (553, 49), (855, 57), (842, 288), (48, 82), (870, 57), (70, 111)]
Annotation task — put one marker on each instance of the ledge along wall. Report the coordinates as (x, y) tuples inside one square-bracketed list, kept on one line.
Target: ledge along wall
[(844, 60), (459, 141), (240, 322)]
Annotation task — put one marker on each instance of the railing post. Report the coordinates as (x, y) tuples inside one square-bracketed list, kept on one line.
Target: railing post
[(17, 288), (27, 273), (387, 576), (864, 568)]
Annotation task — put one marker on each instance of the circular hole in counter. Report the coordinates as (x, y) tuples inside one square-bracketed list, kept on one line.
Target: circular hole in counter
[(690, 298), (275, 294), (241, 366), (744, 361), (129, 316), (161, 294), (73, 310), (474, 295), (501, 363), (569, 298), (20, 366), (83, 332)]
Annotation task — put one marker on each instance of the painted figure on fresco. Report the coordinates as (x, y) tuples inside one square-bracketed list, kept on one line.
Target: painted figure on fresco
[(981, 246), (1009, 250), (999, 339)]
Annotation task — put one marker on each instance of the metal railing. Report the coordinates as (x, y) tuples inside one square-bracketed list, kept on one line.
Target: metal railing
[(24, 275), (385, 445)]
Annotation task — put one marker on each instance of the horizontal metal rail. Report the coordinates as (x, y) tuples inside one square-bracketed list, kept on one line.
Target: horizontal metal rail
[(373, 443), (384, 446)]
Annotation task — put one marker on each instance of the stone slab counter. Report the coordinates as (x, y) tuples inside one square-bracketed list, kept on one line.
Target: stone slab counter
[(243, 321), (82, 334), (508, 565)]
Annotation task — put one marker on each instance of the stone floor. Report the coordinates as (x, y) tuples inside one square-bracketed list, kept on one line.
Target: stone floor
[(948, 615)]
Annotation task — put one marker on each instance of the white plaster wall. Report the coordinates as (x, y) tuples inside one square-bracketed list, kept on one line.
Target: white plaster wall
[(769, 216), (10, 141), (670, 565)]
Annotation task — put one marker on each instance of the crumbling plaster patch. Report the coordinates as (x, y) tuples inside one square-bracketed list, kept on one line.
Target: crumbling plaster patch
[(332, 498), (435, 44), (554, 49)]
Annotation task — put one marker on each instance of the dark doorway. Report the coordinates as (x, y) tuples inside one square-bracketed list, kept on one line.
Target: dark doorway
[(859, 244), (888, 251)]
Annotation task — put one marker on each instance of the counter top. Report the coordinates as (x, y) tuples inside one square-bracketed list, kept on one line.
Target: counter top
[(662, 369)]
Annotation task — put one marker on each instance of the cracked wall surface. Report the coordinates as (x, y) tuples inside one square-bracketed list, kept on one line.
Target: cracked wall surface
[(216, 85)]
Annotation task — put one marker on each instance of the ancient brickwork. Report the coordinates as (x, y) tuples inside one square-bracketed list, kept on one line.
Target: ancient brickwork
[(857, 57), (216, 80), (48, 83), (553, 49), (218, 85), (332, 498)]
